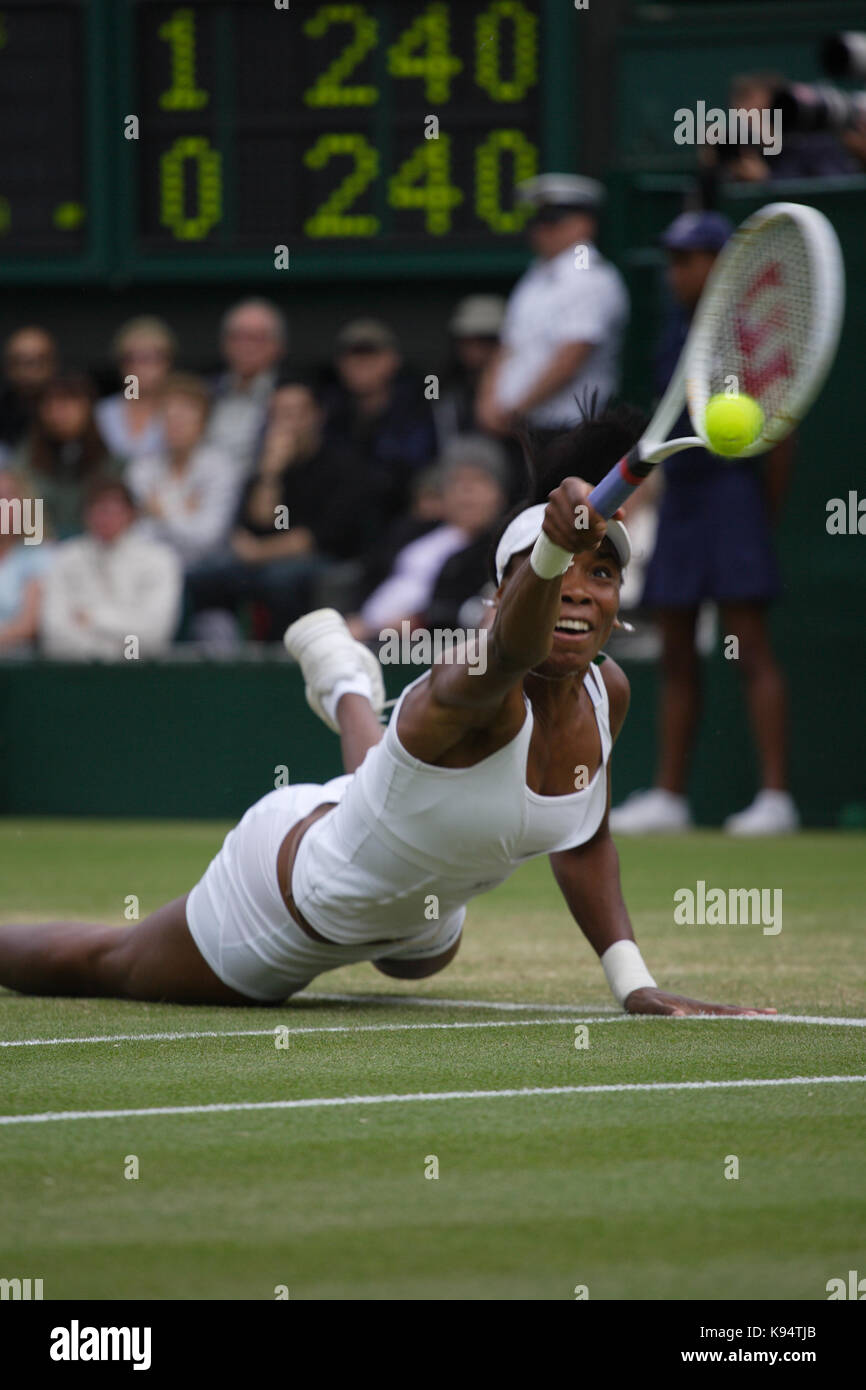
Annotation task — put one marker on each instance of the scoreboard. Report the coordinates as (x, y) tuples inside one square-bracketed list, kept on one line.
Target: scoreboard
[(145, 139)]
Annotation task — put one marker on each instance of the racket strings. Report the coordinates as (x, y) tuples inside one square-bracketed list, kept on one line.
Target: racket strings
[(759, 327)]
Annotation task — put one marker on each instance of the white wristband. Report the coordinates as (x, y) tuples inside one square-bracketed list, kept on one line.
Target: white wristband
[(624, 967), (548, 560)]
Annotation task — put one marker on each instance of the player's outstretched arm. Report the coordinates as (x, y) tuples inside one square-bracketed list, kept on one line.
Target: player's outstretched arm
[(467, 694), (588, 877)]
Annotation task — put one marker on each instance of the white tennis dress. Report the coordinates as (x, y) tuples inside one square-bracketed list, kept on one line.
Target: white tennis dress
[(397, 859)]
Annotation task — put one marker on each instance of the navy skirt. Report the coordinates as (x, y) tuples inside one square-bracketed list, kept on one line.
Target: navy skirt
[(714, 538)]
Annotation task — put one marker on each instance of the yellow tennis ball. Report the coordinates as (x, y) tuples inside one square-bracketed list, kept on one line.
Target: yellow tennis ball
[(732, 423)]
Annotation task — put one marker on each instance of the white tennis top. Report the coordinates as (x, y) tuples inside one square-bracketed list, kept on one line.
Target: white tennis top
[(404, 830)]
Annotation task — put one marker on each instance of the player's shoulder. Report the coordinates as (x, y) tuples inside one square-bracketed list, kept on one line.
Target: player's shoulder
[(618, 693)]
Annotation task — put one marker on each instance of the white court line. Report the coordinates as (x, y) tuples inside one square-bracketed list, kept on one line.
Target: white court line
[(431, 1027), (391, 1099), (433, 1002), (597, 1009), (334, 1028)]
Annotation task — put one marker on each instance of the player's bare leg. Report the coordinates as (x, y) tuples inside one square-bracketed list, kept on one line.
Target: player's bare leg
[(360, 730), (680, 698), (418, 969), (157, 960), (766, 695)]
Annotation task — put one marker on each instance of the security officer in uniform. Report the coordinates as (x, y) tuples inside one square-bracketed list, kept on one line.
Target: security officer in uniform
[(565, 319)]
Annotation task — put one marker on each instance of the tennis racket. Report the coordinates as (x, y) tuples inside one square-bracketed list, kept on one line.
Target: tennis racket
[(768, 320)]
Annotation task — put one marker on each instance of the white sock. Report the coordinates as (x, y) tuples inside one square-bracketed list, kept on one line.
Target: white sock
[(349, 685)]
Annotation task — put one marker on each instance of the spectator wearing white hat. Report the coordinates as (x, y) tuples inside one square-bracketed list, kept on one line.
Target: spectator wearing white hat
[(565, 320)]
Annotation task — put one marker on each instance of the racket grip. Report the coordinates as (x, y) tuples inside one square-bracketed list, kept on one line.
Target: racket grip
[(614, 488)]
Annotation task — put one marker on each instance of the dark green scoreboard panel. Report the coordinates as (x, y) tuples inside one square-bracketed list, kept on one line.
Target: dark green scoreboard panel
[(258, 127)]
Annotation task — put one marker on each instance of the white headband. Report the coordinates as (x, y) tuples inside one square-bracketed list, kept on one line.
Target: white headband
[(524, 530)]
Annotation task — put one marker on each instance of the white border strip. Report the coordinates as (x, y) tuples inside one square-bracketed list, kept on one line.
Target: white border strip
[(320, 1102)]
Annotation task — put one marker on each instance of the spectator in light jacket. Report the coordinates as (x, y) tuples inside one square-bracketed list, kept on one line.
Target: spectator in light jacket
[(111, 593), (188, 494)]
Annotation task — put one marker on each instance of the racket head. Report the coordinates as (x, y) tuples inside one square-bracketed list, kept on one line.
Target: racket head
[(770, 318)]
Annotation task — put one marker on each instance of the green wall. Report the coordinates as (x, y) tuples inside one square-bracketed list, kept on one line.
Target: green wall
[(203, 739)]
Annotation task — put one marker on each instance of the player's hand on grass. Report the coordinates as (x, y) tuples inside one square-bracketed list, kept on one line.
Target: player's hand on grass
[(657, 1001), (570, 521)]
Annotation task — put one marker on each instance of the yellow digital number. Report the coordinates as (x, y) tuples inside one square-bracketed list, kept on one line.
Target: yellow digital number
[(330, 220), (209, 187), (329, 89), (179, 33), (488, 50), (488, 178), (423, 50), (423, 181)]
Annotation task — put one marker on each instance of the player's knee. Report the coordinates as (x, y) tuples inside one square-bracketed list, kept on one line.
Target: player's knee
[(418, 969), (84, 957)]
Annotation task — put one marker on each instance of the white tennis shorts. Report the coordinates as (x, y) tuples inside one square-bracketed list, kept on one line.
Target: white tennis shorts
[(239, 920)]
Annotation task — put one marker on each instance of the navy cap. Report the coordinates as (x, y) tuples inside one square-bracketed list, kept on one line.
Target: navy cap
[(697, 231)]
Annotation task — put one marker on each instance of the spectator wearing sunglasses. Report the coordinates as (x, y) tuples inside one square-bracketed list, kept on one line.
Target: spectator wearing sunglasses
[(378, 412)]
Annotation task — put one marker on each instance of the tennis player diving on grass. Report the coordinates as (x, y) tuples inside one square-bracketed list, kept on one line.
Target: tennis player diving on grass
[(477, 772)]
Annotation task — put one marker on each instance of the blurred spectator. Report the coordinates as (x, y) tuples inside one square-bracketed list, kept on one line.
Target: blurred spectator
[(425, 512), (473, 498), (187, 494), (565, 318), (305, 506), (29, 363), (63, 453), (475, 329), (110, 585), (803, 154), (713, 544), (380, 413), (475, 333), (253, 339), (144, 349), (22, 567)]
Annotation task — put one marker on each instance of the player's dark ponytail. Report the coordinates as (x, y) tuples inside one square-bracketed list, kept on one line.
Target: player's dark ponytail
[(587, 450)]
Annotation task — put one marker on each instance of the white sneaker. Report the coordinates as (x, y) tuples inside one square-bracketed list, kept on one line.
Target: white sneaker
[(771, 813), (326, 652), (651, 813)]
